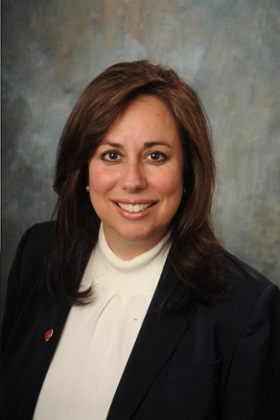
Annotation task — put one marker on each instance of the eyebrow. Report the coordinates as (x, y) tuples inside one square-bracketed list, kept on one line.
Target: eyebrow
[(147, 145)]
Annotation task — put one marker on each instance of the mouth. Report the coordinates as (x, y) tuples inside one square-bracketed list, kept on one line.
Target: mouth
[(134, 208)]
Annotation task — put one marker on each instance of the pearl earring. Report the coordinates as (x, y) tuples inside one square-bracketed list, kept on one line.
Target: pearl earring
[(87, 188)]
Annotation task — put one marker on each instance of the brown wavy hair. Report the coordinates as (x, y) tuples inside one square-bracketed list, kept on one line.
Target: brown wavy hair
[(195, 252)]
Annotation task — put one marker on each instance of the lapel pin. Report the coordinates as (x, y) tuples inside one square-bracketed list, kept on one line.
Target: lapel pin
[(48, 335)]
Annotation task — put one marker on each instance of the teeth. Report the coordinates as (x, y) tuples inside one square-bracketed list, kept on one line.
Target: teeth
[(134, 208)]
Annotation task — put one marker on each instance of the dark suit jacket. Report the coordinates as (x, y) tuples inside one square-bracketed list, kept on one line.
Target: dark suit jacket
[(221, 362)]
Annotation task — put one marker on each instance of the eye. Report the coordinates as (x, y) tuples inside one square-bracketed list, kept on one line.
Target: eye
[(111, 156), (157, 157)]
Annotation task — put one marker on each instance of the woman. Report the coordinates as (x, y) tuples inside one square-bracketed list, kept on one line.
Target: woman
[(127, 307)]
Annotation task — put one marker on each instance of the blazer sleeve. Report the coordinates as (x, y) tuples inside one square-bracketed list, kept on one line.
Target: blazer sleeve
[(252, 391)]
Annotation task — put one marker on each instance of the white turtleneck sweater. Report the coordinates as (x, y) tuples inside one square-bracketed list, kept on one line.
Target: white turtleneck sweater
[(97, 338)]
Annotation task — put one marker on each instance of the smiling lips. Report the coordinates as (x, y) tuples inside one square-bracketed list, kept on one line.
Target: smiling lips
[(134, 208)]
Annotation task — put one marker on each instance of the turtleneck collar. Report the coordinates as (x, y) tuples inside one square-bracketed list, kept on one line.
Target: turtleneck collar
[(135, 276)]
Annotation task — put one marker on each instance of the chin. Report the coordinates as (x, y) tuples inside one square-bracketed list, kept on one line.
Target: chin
[(140, 235)]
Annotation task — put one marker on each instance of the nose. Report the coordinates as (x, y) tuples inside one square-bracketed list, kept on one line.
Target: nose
[(133, 178)]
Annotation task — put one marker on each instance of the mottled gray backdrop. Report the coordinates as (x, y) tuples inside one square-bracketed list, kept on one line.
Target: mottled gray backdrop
[(229, 50)]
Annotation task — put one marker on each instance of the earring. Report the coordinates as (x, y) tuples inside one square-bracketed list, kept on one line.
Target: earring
[(87, 188), (184, 192)]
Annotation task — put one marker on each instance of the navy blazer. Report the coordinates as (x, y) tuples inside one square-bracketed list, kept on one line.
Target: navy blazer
[(221, 362)]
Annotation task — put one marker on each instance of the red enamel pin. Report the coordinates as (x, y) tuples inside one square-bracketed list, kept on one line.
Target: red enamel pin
[(48, 335)]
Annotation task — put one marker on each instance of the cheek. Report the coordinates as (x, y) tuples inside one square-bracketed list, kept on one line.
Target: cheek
[(170, 183), (100, 181)]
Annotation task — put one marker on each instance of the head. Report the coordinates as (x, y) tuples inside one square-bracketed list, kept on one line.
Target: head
[(102, 103)]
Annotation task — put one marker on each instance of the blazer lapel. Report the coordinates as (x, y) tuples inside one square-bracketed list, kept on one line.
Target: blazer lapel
[(52, 321), (156, 341)]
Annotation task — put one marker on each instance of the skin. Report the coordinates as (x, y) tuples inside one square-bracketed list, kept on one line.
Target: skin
[(135, 177)]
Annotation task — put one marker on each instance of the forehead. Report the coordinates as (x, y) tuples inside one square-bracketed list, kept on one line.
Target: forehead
[(146, 114)]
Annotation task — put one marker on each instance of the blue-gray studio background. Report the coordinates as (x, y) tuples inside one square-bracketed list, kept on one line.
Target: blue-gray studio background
[(228, 50)]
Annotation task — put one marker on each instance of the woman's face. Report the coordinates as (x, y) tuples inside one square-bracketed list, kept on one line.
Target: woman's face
[(135, 177)]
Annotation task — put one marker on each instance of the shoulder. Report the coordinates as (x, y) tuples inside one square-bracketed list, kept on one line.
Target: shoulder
[(31, 254), (39, 236), (36, 241), (242, 278), (251, 293)]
